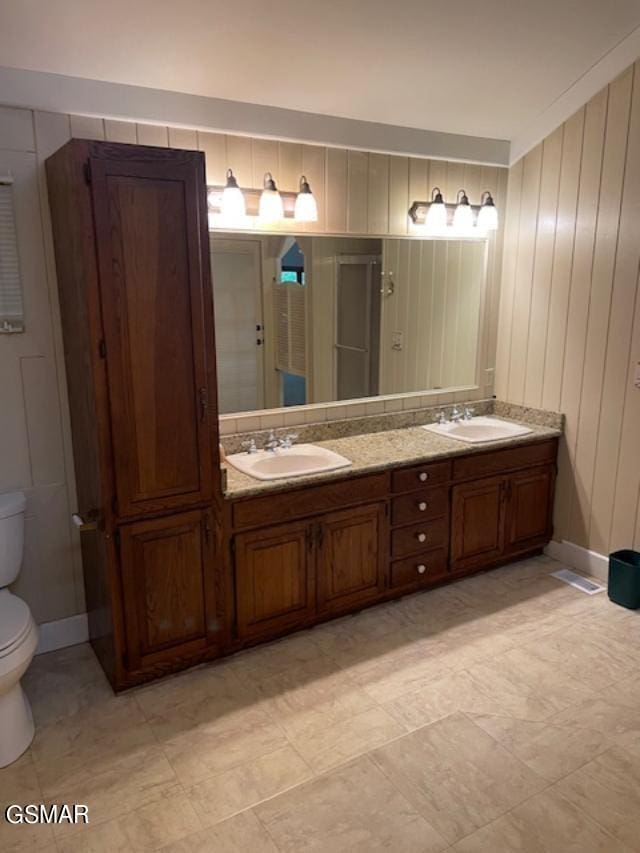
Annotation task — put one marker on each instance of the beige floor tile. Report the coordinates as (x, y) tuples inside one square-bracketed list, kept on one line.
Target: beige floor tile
[(617, 721), (256, 666), (224, 794), (72, 766), (546, 823), (240, 834), (456, 775), (551, 751), (608, 789), (150, 827), (19, 785), (340, 740), (528, 688), (594, 660), (216, 681), (208, 749), (417, 667), (64, 682), (127, 784), (353, 808), (456, 692), (625, 692)]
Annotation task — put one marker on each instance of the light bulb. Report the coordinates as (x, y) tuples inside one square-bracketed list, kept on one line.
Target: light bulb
[(232, 207), (463, 216), (488, 214), (271, 208), (436, 219), (306, 209)]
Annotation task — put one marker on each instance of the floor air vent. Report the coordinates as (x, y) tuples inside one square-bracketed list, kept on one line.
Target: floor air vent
[(580, 582)]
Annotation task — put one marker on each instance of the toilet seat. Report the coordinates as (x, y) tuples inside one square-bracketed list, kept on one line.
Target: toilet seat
[(16, 622)]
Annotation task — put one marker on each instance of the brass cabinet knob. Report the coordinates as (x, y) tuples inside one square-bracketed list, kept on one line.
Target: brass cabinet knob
[(423, 476), (422, 506), (422, 537), (421, 569)]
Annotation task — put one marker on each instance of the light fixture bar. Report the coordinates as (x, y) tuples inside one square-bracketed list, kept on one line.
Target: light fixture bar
[(252, 200), (418, 211)]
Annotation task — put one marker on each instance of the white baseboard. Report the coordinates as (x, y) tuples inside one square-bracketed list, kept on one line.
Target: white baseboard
[(589, 562), (62, 632)]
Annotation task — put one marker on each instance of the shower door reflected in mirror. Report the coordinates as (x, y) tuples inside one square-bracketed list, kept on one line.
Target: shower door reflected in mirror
[(303, 319)]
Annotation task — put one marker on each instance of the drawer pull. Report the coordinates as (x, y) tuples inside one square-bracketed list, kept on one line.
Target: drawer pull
[(421, 537), (423, 476), (421, 568), (422, 506)]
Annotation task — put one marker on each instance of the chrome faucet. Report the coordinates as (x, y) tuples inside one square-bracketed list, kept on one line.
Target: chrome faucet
[(469, 412), (272, 443), (456, 415), (286, 441)]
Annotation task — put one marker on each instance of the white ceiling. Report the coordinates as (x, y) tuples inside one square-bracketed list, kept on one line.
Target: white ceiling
[(485, 68)]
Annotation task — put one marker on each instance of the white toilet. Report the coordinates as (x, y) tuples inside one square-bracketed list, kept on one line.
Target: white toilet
[(18, 635)]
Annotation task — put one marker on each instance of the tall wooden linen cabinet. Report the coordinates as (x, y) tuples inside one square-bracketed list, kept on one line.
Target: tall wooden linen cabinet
[(131, 244)]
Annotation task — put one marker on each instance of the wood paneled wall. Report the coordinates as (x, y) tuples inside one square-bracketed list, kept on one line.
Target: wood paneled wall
[(569, 321)]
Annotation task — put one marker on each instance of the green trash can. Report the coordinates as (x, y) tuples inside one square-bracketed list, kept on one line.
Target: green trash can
[(624, 578)]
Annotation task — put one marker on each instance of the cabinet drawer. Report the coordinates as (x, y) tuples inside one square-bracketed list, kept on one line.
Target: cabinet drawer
[(421, 569), (500, 461), (312, 500), (407, 479), (427, 503), (419, 537)]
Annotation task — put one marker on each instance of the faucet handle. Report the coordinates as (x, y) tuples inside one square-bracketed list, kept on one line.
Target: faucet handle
[(469, 412), (456, 414), (250, 445), (286, 441), (441, 417)]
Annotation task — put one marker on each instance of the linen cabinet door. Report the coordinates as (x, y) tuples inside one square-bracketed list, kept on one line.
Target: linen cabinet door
[(155, 295), (351, 557), (530, 499), (274, 579), (168, 582), (477, 523)]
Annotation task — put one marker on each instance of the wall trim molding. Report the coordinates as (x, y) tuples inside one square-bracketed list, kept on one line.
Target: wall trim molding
[(62, 633), (601, 73), (590, 562), (59, 93)]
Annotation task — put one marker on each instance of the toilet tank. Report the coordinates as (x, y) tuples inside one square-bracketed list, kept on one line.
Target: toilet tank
[(12, 507)]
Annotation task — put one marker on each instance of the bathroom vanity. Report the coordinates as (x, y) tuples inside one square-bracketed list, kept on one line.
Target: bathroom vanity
[(176, 570)]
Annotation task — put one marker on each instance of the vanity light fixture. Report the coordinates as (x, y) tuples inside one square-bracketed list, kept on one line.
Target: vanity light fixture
[(306, 209), (463, 216), (232, 206), (436, 219), (487, 215), (271, 208)]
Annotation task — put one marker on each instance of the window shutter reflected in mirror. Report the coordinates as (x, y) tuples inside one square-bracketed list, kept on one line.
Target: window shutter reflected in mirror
[(11, 305)]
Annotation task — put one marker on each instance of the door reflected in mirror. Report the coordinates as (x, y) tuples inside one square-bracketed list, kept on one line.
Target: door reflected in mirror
[(303, 319)]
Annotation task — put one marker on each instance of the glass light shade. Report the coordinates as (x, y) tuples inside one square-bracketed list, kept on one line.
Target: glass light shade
[(463, 217), (270, 208), (233, 208), (436, 218), (487, 218), (306, 209)]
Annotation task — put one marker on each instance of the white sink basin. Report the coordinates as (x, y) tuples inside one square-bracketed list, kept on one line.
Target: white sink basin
[(297, 461), (478, 430)]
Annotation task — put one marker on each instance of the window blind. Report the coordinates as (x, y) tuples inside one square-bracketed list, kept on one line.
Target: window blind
[(11, 306), (290, 328)]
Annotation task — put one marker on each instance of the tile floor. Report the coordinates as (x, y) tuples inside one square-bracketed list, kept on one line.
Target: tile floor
[(498, 714)]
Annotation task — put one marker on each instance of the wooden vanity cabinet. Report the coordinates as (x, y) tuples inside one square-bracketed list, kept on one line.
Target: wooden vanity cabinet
[(132, 256)]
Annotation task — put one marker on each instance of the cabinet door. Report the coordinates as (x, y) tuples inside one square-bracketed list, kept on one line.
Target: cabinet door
[(274, 579), (156, 307), (530, 496), (351, 557), (168, 578), (477, 523)]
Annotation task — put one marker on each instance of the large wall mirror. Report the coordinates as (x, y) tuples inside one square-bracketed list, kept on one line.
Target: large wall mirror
[(302, 319)]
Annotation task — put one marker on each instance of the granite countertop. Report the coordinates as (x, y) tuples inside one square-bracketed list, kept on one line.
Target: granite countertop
[(378, 451)]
